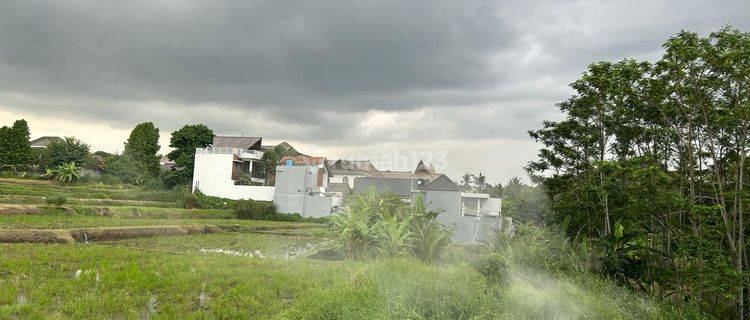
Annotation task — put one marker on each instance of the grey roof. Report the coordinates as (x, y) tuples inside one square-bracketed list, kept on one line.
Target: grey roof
[(396, 186), (288, 149), (43, 142), (441, 183), (362, 167), (337, 187), (238, 142)]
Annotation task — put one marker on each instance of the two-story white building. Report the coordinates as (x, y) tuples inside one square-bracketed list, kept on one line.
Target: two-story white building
[(231, 168)]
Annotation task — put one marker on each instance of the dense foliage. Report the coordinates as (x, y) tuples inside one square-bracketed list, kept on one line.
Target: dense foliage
[(68, 150), (141, 148), (373, 224), (185, 141), (15, 149), (647, 170), (255, 210)]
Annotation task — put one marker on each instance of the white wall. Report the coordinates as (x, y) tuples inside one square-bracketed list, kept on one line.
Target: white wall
[(213, 176), (493, 206)]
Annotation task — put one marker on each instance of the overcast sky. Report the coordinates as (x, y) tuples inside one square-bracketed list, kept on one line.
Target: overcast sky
[(455, 82)]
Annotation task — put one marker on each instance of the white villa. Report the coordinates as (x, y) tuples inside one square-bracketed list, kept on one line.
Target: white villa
[(230, 168)]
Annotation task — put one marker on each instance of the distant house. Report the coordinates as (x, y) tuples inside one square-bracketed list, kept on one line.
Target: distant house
[(230, 168), (472, 217), (350, 169), (167, 164), (286, 147), (43, 142), (338, 192), (301, 184)]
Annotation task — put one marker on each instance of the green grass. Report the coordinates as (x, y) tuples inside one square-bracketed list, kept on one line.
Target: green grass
[(242, 287), (66, 221), (42, 200), (228, 243), (122, 279), (87, 191)]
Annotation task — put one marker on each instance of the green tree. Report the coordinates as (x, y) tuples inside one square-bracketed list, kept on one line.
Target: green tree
[(68, 150), (15, 149), (141, 148), (271, 159), (648, 166), (185, 141)]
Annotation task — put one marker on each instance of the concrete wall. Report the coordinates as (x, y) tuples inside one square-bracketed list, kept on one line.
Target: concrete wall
[(213, 176), (465, 229), (494, 206), (338, 178), (297, 192)]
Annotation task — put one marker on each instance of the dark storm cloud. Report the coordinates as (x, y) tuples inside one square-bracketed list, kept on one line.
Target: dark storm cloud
[(316, 70), (274, 53)]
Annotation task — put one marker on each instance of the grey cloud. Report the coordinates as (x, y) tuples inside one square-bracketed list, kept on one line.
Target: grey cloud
[(345, 73)]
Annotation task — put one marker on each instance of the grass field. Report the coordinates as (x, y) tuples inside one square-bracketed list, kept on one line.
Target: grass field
[(241, 274)]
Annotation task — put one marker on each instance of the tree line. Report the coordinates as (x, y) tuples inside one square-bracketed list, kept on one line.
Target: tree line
[(646, 172), (525, 203), (139, 163)]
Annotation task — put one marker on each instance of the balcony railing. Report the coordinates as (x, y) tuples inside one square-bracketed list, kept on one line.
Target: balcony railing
[(483, 212), (242, 153)]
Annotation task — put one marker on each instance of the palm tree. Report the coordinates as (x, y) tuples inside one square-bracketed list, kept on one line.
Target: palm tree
[(466, 181)]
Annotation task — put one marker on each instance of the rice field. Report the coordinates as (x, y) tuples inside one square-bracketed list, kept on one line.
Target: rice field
[(261, 270)]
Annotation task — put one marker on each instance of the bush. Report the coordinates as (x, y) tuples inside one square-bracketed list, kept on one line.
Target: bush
[(493, 267), (154, 184), (110, 179), (185, 198), (211, 202), (256, 210), (57, 200), (372, 224)]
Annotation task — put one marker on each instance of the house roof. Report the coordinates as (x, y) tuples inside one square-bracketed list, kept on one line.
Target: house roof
[(354, 167), (396, 174), (253, 143), (338, 187), (288, 149), (43, 142), (397, 186), (441, 183), (304, 160)]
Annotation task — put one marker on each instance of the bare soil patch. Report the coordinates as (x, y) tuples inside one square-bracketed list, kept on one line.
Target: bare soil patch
[(19, 210), (119, 233), (35, 235)]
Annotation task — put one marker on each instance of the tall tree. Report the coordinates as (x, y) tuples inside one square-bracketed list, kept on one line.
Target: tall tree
[(658, 152), (141, 148), (185, 141), (15, 148)]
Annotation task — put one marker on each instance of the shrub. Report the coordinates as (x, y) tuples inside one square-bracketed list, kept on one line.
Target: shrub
[(185, 198), (110, 179), (373, 224), (493, 267), (57, 200), (154, 184), (211, 202), (256, 210)]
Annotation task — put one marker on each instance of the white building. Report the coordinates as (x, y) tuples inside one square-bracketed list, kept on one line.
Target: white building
[(301, 185), (230, 168)]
